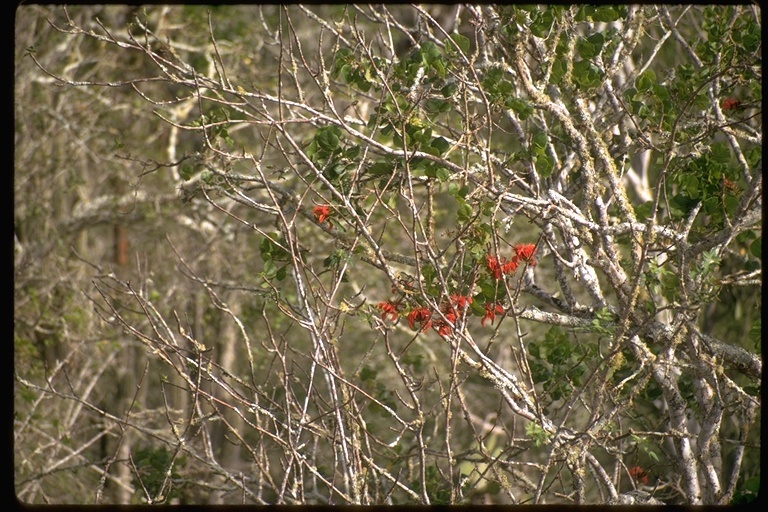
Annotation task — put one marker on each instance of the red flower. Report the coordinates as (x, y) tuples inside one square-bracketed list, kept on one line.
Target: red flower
[(461, 301), (730, 104), (445, 328), (493, 266), (389, 309), (526, 253), (490, 312), (321, 212), (499, 266), (639, 474), (510, 266), (421, 315)]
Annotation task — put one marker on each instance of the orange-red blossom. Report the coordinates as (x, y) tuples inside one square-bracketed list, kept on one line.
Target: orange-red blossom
[(422, 316), (500, 266), (445, 327), (321, 212), (639, 474), (730, 104), (490, 312), (526, 253), (389, 309), (460, 301)]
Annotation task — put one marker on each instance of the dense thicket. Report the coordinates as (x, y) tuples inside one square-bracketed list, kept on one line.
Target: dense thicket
[(387, 254)]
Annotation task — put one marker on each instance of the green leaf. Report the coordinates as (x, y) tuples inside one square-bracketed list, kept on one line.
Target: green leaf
[(754, 155), (328, 138), (756, 332), (670, 284), (429, 52), (558, 71), (461, 41), (429, 273), (456, 191), (270, 250), (731, 205), (440, 144), (341, 57), (538, 435), (442, 174), (643, 211), (430, 150), (645, 80), (437, 106), (542, 23), (504, 90), (352, 152), (661, 92), (367, 373), (606, 13), (544, 165), (539, 142), (719, 153), (586, 74), (597, 39), (586, 50), (711, 205), (492, 77), (334, 172), (347, 73), (464, 213), (690, 184), (756, 248), (477, 308), (701, 102), (521, 107), (186, 172), (381, 169), (270, 269), (439, 66)]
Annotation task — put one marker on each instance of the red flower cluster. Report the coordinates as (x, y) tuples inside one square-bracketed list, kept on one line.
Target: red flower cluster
[(422, 316), (460, 301), (639, 474), (443, 327), (451, 313), (500, 266), (322, 212), (730, 104), (490, 312), (389, 309), (526, 253)]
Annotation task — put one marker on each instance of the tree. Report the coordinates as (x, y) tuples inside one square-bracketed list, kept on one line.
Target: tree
[(389, 254)]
